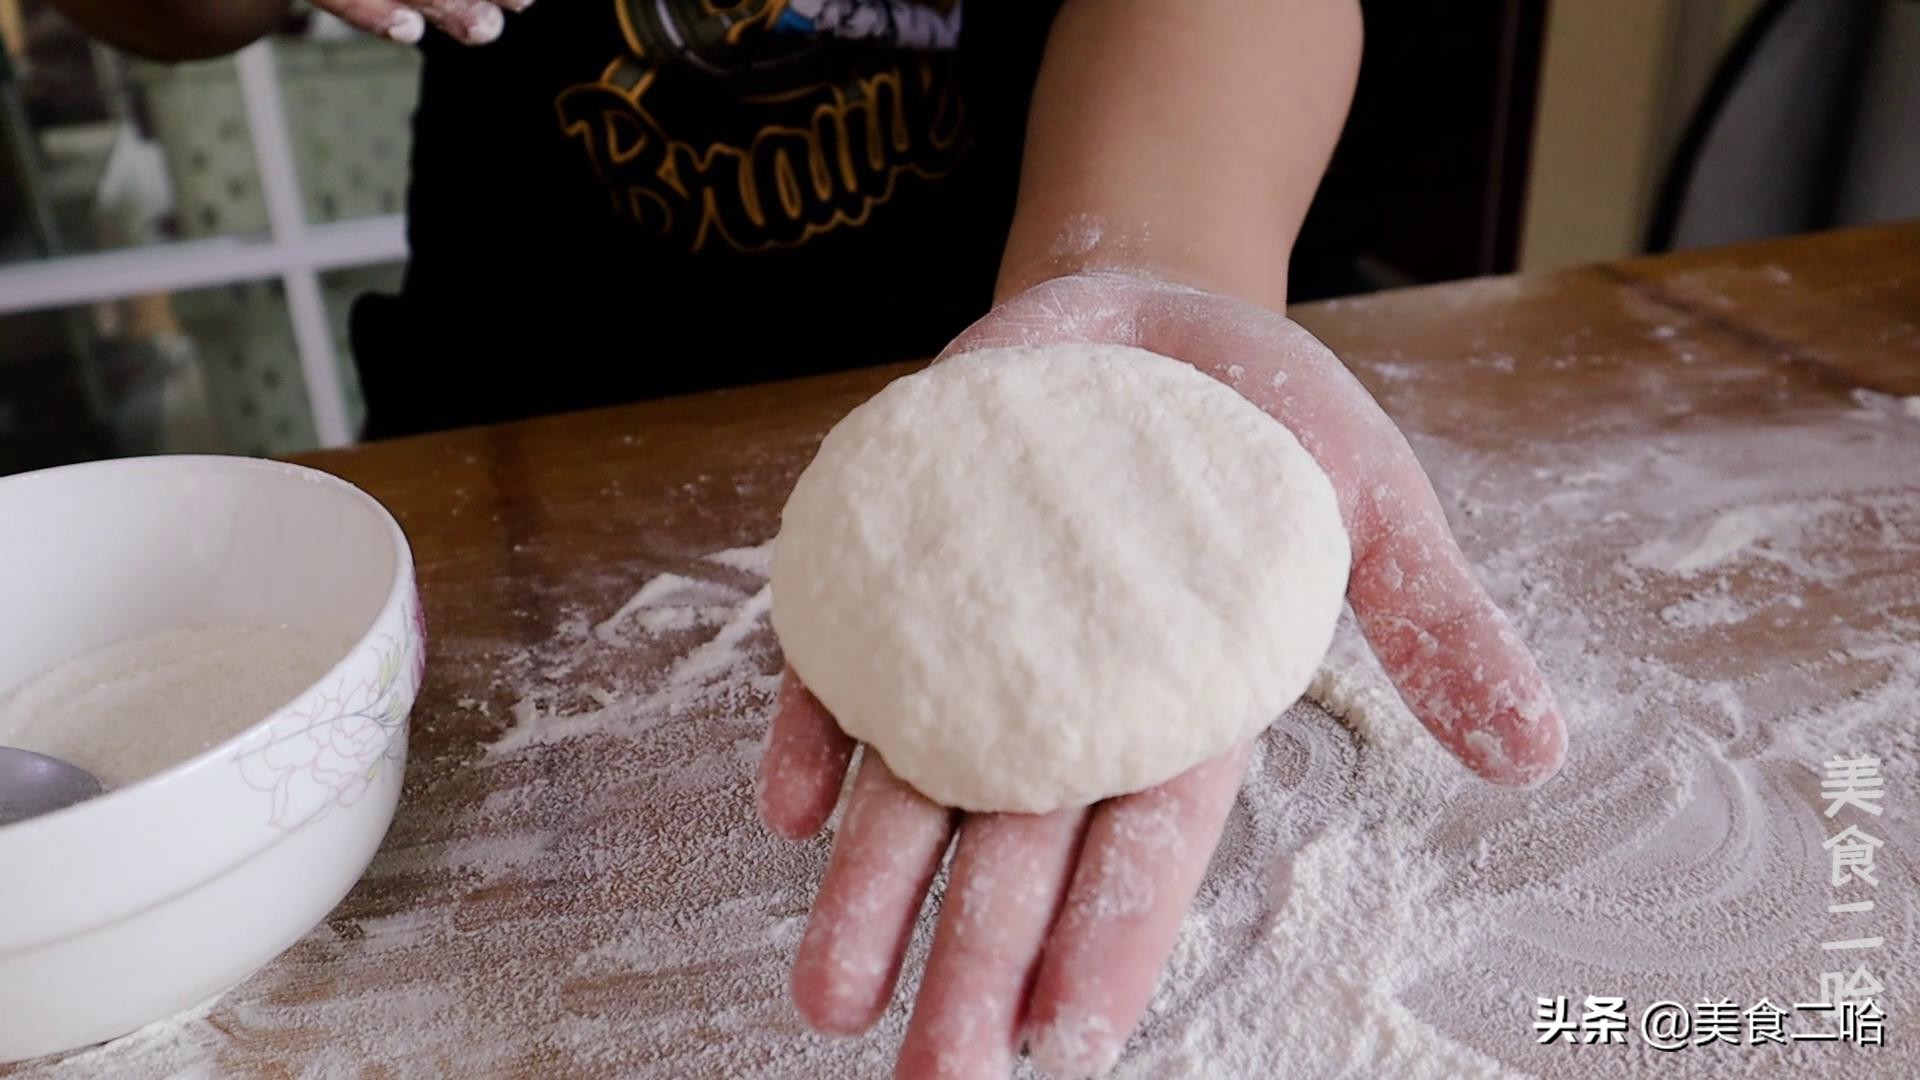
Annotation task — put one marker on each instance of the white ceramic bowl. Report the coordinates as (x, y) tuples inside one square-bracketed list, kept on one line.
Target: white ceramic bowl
[(157, 896)]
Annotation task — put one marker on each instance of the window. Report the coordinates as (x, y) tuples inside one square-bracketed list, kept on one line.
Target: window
[(179, 244)]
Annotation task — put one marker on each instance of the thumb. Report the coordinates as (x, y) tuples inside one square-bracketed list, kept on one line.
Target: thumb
[(1448, 648)]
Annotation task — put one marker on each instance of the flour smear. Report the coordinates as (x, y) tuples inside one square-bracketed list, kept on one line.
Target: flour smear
[(1721, 609)]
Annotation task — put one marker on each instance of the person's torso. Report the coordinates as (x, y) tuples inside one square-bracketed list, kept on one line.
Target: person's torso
[(833, 171)]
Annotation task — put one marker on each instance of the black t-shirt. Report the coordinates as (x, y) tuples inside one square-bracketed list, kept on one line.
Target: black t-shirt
[(628, 198)]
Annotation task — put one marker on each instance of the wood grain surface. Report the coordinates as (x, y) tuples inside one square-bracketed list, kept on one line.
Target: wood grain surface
[(519, 526)]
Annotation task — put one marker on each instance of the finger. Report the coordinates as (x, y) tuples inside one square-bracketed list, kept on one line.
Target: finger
[(1003, 890), (803, 765), (470, 22), (1446, 645), (383, 18), (889, 847), (1139, 867)]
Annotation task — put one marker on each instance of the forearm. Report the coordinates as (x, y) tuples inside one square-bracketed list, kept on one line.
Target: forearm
[(175, 29), (1184, 140)]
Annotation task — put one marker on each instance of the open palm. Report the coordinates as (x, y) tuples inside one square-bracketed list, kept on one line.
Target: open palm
[(1055, 926)]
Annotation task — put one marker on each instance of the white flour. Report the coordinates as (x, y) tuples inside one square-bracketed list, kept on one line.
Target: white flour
[(143, 705), (592, 894)]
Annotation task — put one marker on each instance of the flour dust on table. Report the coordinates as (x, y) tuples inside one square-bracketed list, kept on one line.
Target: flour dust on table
[(600, 898)]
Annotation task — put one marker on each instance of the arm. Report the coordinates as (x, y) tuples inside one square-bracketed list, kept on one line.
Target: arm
[(1172, 153), (175, 29), (1183, 140), (196, 29)]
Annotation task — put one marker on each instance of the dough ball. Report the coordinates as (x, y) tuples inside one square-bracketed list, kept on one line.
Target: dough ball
[(1034, 578)]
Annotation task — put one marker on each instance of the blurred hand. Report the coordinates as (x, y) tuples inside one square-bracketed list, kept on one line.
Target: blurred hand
[(474, 22), (1055, 927)]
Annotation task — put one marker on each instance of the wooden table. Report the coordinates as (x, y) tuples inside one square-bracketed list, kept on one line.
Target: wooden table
[(531, 533)]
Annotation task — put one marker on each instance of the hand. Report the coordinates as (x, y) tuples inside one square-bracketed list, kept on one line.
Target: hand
[(472, 22), (1055, 926)]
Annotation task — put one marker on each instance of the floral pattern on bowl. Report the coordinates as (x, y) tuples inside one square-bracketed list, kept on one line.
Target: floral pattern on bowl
[(327, 748)]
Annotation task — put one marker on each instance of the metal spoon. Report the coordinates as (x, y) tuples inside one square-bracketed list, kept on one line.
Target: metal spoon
[(33, 784)]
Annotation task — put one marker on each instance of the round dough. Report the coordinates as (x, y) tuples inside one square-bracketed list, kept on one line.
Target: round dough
[(1034, 578)]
